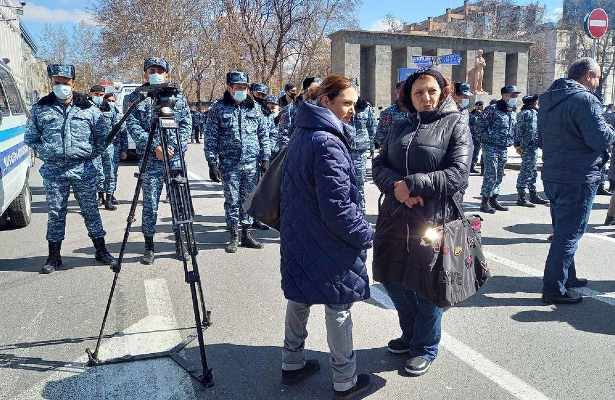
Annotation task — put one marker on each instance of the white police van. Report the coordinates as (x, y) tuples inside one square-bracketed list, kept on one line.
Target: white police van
[(15, 157), (125, 90)]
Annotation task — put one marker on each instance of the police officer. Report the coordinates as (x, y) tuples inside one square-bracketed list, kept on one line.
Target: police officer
[(156, 71), (462, 96), (96, 97), (497, 134), (197, 124), (474, 120), (364, 124), (287, 115), (67, 132), (117, 150), (395, 112), (236, 144), (527, 142)]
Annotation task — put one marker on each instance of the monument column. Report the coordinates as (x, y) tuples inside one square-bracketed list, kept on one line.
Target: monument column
[(462, 71), (402, 58), (495, 72), (380, 62), (446, 70), (346, 59), (516, 70)]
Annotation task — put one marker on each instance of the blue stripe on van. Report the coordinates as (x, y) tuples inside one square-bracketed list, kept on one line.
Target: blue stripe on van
[(10, 133), (12, 157)]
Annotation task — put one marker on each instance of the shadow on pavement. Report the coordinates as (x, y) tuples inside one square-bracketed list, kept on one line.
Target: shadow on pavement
[(34, 264)]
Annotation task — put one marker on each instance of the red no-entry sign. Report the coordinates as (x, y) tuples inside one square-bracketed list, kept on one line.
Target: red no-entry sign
[(596, 23)]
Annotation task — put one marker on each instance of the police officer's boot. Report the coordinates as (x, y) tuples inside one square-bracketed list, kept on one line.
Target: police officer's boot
[(101, 198), (247, 240), (259, 225), (486, 207), (102, 254), (602, 191), (231, 247), (54, 260), (611, 186), (114, 200), (148, 253), (522, 200), (109, 203), (536, 199), (496, 204), (473, 169)]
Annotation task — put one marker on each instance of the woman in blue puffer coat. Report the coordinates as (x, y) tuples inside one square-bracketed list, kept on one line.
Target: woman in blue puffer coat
[(324, 236)]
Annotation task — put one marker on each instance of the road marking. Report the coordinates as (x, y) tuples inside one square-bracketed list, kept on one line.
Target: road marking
[(194, 176), (600, 236), (498, 375), (159, 379), (608, 298)]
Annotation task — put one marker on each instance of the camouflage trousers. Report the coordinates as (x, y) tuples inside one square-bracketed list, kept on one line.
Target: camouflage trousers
[(238, 183), (104, 170), (115, 152), (494, 161), (58, 181), (153, 182), (527, 176), (359, 160)]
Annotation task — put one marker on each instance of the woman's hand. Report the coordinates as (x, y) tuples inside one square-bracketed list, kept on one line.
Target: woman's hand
[(413, 201), (401, 191)]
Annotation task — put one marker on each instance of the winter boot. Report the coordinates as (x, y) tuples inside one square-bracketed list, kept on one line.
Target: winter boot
[(231, 247), (54, 261), (102, 254), (609, 221), (109, 204), (259, 225), (536, 199), (522, 200), (496, 204), (148, 253), (248, 241), (611, 186), (486, 207), (473, 169), (101, 198), (602, 191), (114, 200)]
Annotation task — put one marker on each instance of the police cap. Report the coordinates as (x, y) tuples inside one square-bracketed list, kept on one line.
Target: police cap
[(259, 88), (63, 70), (156, 62), (235, 77), (529, 99), (97, 88), (510, 89), (271, 100), (462, 89)]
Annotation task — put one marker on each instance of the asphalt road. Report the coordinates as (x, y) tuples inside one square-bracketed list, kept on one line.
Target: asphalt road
[(501, 344)]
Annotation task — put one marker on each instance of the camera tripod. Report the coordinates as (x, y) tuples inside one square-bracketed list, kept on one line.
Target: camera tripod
[(163, 126)]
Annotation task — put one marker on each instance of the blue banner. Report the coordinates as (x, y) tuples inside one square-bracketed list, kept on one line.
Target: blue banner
[(423, 61), (450, 59)]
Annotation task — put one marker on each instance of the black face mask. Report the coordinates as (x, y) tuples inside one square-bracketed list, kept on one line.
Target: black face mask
[(292, 95)]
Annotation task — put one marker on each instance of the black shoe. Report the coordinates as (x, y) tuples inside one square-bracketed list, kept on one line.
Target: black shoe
[(102, 255), (248, 241), (536, 199), (550, 238), (54, 261), (361, 387), (609, 221), (398, 346), (148, 253), (577, 283), (109, 204), (417, 366), (114, 200), (486, 207), (611, 186), (231, 247), (259, 225), (602, 191), (568, 298), (101, 198), (473, 169), (522, 200), (493, 201), (298, 375)]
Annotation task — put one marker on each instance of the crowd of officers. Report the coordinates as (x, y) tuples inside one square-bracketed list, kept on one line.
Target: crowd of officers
[(242, 132)]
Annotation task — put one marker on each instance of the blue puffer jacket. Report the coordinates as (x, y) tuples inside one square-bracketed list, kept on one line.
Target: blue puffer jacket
[(324, 234), (60, 134), (497, 125), (574, 132)]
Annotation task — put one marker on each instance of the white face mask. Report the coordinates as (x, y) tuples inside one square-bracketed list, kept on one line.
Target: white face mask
[(240, 95), (62, 92), (97, 100), (275, 114), (512, 103), (156, 79)]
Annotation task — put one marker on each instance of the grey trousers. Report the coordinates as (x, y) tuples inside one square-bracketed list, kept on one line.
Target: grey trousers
[(339, 337)]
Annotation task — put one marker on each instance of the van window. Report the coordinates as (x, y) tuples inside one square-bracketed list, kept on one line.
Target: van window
[(12, 95), (4, 105)]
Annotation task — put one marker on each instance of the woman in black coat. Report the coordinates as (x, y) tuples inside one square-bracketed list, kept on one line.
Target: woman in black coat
[(423, 165)]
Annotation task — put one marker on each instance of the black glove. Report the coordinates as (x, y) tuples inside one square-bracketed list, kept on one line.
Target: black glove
[(264, 164), (214, 173)]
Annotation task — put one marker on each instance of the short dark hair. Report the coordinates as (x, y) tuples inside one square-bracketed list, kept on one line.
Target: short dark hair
[(106, 96), (445, 87), (289, 86), (578, 69)]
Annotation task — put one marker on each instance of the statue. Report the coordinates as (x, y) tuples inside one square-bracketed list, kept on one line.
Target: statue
[(476, 74)]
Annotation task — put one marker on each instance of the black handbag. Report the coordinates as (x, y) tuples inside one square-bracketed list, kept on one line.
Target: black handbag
[(455, 264), (264, 203)]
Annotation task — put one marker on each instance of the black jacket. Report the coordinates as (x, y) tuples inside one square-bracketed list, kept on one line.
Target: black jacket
[(431, 152)]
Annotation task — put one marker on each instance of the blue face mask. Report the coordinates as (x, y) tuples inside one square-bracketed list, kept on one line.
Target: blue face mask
[(240, 95), (512, 103), (97, 100), (156, 79), (62, 92)]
